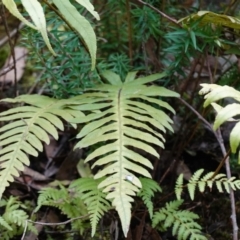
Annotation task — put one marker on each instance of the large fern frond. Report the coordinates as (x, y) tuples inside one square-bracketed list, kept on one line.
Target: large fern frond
[(127, 115), (149, 187), (183, 222), (213, 93), (221, 181), (28, 127), (95, 200)]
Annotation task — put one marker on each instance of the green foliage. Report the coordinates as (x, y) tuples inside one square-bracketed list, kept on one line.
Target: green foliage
[(87, 190), (118, 120), (70, 14), (14, 219), (197, 180), (65, 201), (183, 222), (117, 114), (149, 187), (213, 93), (30, 126)]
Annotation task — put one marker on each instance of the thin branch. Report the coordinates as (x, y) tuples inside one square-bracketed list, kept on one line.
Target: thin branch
[(161, 13), (11, 47), (50, 224)]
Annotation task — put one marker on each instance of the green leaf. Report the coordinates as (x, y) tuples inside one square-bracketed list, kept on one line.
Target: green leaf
[(80, 24), (87, 4), (35, 11), (12, 7)]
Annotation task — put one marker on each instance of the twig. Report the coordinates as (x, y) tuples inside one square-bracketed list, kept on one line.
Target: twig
[(231, 195), (11, 34), (50, 224), (161, 13), (11, 47)]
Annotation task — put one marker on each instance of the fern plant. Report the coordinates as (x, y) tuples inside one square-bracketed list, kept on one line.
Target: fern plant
[(183, 222), (14, 219), (202, 181), (64, 200), (119, 115), (122, 122)]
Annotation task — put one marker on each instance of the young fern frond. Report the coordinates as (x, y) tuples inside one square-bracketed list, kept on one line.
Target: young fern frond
[(214, 93), (221, 181), (13, 220), (182, 222), (149, 187), (93, 197), (29, 127), (66, 202), (123, 123)]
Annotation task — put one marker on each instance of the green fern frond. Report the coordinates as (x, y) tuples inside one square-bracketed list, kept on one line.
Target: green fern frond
[(149, 187), (29, 126), (221, 181), (124, 118), (182, 222), (95, 200), (5, 224), (65, 201), (14, 219)]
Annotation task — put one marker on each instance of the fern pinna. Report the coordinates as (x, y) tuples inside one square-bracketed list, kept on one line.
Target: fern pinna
[(123, 117)]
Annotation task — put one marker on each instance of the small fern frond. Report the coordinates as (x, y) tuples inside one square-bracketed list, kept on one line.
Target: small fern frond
[(14, 219), (95, 200), (124, 119), (182, 222), (31, 125), (65, 201), (221, 181), (149, 187)]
